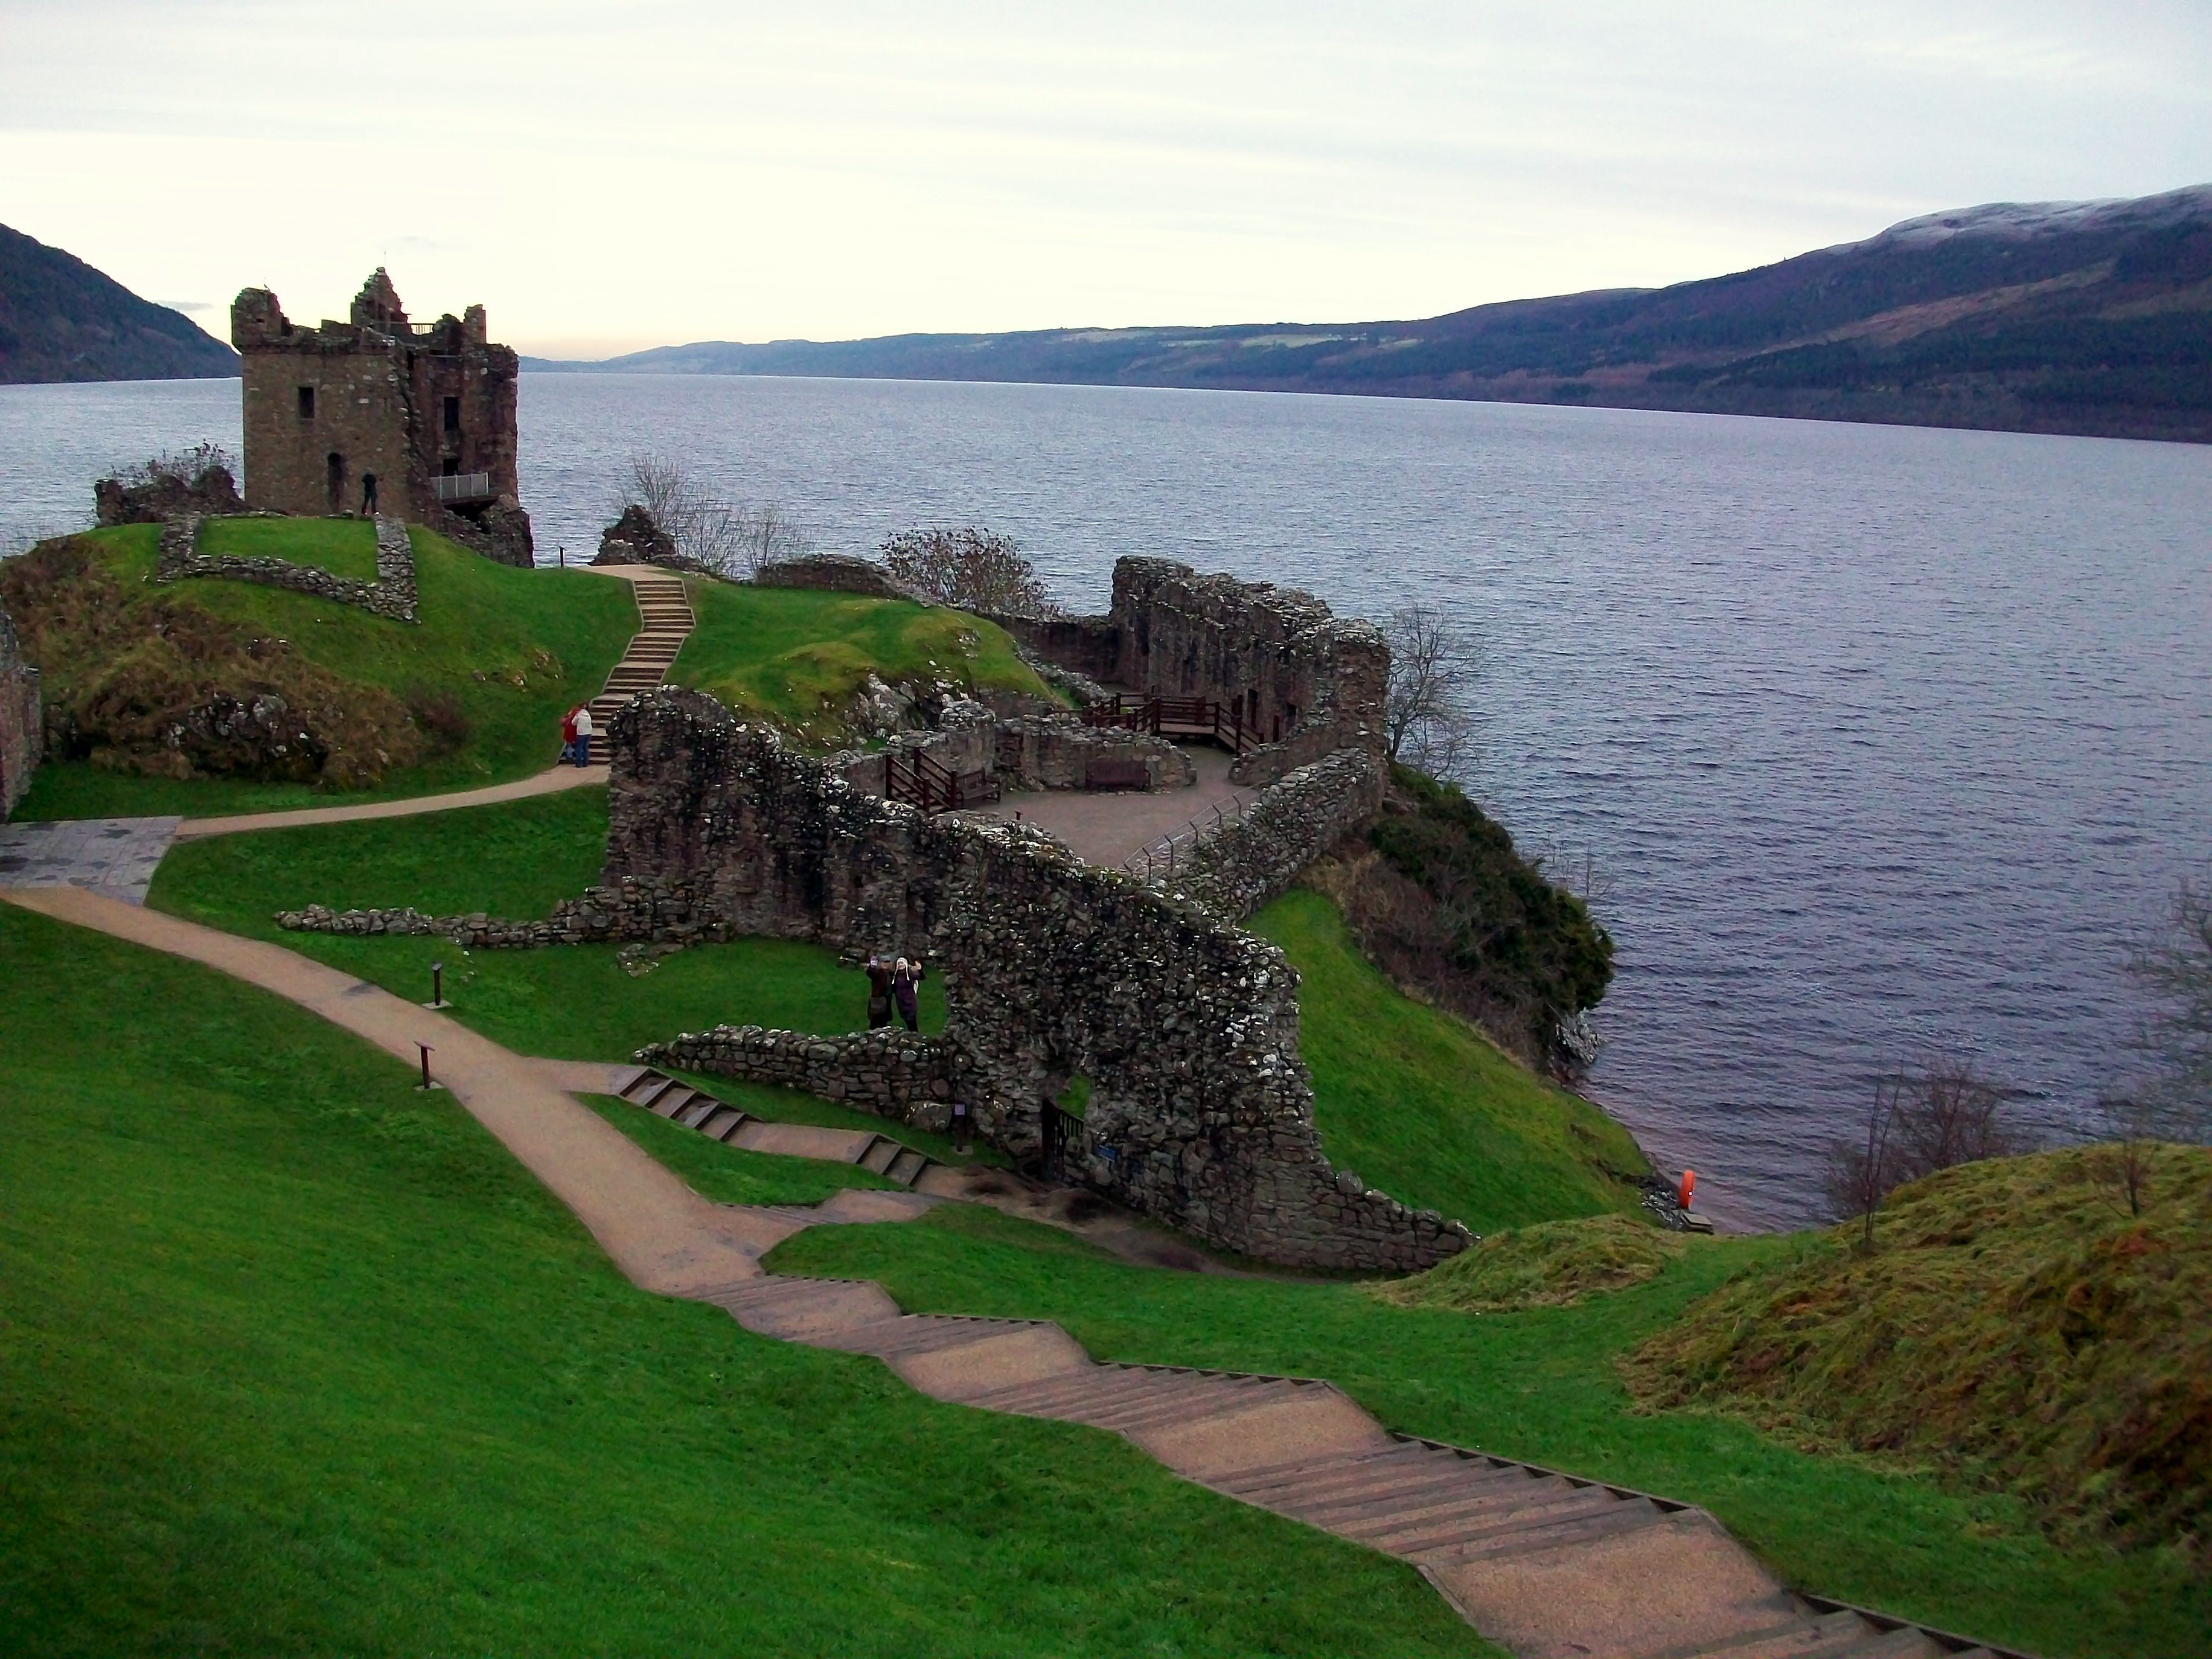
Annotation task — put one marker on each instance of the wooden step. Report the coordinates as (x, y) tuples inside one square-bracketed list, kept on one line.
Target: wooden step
[(881, 1151), (1567, 1523), (722, 1123), (907, 1167)]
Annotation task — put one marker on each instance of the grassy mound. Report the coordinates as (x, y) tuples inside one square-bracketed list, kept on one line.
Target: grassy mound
[(803, 659), (344, 547), (472, 695), (1545, 1385), (1553, 1264), (296, 1360), (2014, 1326), (1425, 1107)]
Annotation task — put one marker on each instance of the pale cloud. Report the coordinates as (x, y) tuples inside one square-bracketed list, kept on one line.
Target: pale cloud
[(608, 176)]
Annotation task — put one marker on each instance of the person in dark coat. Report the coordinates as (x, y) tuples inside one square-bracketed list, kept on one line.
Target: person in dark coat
[(368, 494), (878, 971), (906, 983)]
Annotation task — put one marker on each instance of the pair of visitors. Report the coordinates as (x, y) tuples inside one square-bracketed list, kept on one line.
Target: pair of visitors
[(894, 982), (576, 730)]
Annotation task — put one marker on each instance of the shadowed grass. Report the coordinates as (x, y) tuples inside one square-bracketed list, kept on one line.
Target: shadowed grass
[(295, 1360), (1552, 1264)]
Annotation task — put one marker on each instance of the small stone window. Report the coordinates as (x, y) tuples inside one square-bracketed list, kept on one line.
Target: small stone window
[(453, 414), (306, 403)]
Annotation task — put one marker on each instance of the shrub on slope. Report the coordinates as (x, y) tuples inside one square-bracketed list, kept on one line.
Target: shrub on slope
[(1553, 1264), (2014, 1326)]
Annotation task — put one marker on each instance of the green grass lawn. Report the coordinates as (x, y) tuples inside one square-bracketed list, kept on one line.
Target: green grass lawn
[(344, 547), (1424, 1107), (799, 656), (296, 1360), (1542, 1385), (515, 648), (573, 1002)]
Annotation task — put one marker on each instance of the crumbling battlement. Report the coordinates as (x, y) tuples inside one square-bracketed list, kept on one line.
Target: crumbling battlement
[(423, 409), (1307, 682), (1200, 1112), (22, 722)]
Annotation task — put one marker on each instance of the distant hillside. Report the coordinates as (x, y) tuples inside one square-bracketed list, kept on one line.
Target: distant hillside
[(2084, 317), (61, 320)]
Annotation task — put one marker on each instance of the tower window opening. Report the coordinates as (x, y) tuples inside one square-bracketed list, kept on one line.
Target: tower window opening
[(453, 414), (306, 403)]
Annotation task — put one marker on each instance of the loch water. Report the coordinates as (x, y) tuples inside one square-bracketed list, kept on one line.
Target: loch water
[(1873, 743)]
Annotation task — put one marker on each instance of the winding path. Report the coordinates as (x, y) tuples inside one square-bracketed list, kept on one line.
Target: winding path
[(1544, 1563)]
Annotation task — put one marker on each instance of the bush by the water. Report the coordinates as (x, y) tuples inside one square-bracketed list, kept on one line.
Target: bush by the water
[(2016, 1326), (1553, 1264), (1442, 900)]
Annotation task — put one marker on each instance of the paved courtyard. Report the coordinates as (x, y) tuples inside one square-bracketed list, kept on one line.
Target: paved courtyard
[(114, 856), (1107, 829)]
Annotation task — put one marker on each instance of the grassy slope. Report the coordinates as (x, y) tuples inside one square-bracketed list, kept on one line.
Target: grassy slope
[(1423, 1106), (575, 1003), (1543, 1385), (296, 1360), (2016, 1324), (344, 547), (799, 656), (1552, 1264), (515, 647)]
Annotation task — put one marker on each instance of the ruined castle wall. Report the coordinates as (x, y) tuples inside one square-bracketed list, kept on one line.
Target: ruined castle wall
[(837, 573), (1236, 870), (1060, 752), (22, 724), (1306, 682), (1200, 1113), (892, 1074)]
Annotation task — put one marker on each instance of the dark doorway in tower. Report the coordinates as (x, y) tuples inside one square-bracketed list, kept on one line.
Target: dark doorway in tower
[(334, 481)]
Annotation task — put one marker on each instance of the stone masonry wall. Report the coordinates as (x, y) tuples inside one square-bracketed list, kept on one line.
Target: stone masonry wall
[(1058, 752), (1200, 1113), (1236, 870), (836, 573), (892, 1074), (22, 724), (1307, 682), (324, 407), (391, 594)]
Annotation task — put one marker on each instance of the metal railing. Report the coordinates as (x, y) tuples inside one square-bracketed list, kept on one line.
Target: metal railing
[(463, 487), (1160, 861)]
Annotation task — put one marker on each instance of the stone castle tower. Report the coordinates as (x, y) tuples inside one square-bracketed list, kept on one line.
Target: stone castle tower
[(415, 419)]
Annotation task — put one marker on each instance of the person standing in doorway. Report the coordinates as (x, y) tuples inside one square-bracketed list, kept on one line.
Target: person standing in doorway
[(368, 494), (879, 991), (584, 731), (906, 983)]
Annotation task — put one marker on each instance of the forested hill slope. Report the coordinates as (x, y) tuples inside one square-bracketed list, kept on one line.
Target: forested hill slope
[(2085, 317), (61, 320)]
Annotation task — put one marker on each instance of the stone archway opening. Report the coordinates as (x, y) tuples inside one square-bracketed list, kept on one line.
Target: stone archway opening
[(334, 481)]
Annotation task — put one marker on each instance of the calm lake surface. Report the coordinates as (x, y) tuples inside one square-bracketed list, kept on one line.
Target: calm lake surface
[(1881, 743)]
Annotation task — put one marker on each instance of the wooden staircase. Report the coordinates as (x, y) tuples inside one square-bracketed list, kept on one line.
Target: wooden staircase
[(694, 1109), (665, 619), (1545, 1563)]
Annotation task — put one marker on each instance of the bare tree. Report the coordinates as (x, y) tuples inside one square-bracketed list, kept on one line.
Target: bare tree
[(2175, 967), (1924, 1119), (1952, 1113), (726, 537), (2134, 1124), (1863, 1169), (1433, 667), (970, 567)]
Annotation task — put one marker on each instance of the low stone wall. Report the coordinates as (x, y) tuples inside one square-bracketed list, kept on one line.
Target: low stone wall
[(391, 594), (22, 722), (1238, 868), (892, 1074), (837, 573), (1060, 752), (588, 920)]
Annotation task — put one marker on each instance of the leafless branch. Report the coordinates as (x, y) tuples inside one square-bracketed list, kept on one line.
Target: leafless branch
[(1433, 667)]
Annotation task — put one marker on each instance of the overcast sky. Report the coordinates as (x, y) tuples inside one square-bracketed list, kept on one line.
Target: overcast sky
[(609, 176)]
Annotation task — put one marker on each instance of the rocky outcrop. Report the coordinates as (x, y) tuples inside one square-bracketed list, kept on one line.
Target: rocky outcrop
[(636, 537), (391, 594), (158, 493)]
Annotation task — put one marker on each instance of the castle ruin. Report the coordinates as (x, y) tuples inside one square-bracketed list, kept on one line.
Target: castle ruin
[(380, 414)]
